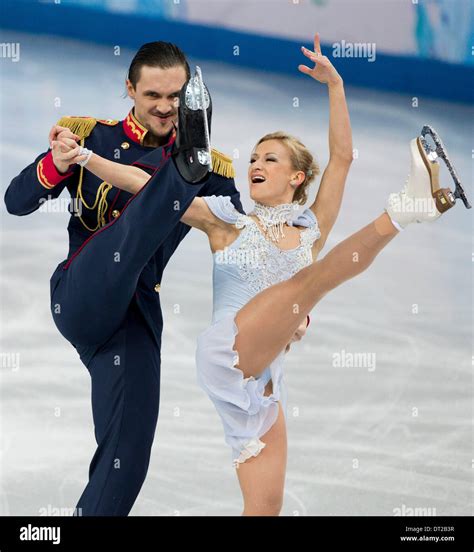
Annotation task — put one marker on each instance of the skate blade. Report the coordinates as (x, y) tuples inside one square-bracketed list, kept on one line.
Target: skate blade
[(197, 99), (205, 157), (196, 96), (443, 197), (430, 154)]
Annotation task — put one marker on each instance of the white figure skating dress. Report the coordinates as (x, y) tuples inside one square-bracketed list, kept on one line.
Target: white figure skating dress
[(243, 269)]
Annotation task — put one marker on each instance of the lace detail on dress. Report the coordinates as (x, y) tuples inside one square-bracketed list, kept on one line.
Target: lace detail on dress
[(253, 448), (261, 263)]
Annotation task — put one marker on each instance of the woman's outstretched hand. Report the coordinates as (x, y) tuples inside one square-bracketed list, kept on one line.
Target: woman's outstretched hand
[(64, 146), (323, 70), (61, 154)]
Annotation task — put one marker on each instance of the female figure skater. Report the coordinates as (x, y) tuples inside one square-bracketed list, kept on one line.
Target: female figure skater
[(267, 276)]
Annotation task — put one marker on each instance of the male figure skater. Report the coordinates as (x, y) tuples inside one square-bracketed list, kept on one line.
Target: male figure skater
[(105, 294)]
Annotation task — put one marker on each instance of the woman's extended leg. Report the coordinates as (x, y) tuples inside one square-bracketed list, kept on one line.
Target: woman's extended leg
[(268, 321), (262, 478)]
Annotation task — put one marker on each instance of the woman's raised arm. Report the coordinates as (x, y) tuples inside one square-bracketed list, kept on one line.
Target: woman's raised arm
[(328, 200)]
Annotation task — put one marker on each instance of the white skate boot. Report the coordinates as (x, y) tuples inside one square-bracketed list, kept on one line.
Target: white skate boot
[(422, 199)]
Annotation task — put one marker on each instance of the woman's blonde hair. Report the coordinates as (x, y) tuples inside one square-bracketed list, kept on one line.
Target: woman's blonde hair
[(301, 159)]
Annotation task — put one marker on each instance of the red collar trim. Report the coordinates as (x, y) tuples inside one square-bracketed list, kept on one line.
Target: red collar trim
[(133, 129), (136, 132)]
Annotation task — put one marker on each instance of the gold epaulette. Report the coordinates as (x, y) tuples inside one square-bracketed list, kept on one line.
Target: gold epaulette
[(221, 164), (83, 126)]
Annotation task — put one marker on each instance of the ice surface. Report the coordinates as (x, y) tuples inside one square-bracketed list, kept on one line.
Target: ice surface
[(361, 441)]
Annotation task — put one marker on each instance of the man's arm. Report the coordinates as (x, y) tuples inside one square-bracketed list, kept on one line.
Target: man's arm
[(43, 179), (36, 183)]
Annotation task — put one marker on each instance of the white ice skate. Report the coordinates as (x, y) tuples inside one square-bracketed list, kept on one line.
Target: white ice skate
[(422, 199)]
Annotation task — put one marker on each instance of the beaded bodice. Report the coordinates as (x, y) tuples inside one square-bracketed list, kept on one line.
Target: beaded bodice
[(262, 263), (252, 262)]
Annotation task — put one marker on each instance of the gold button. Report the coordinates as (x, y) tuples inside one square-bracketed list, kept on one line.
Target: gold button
[(125, 145), (115, 213), (157, 288)]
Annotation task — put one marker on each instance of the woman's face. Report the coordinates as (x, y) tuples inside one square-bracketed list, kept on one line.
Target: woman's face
[(271, 161)]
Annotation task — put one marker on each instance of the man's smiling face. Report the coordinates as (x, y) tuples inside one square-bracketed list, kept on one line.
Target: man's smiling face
[(156, 98)]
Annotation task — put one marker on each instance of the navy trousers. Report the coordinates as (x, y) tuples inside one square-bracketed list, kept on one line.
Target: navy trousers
[(93, 305)]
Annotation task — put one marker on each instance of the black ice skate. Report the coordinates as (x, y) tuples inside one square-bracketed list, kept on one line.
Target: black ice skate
[(191, 150)]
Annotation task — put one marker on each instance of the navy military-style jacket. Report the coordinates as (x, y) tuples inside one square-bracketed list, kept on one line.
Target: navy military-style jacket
[(95, 204)]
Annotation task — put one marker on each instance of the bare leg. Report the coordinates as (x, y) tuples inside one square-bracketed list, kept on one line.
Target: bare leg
[(262, 478), (268, 321)]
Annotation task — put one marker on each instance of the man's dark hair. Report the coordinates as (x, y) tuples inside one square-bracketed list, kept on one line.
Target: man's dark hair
[(157, 54)]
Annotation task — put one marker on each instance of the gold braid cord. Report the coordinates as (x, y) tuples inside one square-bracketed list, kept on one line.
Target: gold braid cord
[(83, 126)]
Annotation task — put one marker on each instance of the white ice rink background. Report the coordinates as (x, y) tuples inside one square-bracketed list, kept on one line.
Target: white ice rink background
[(375, 439)]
